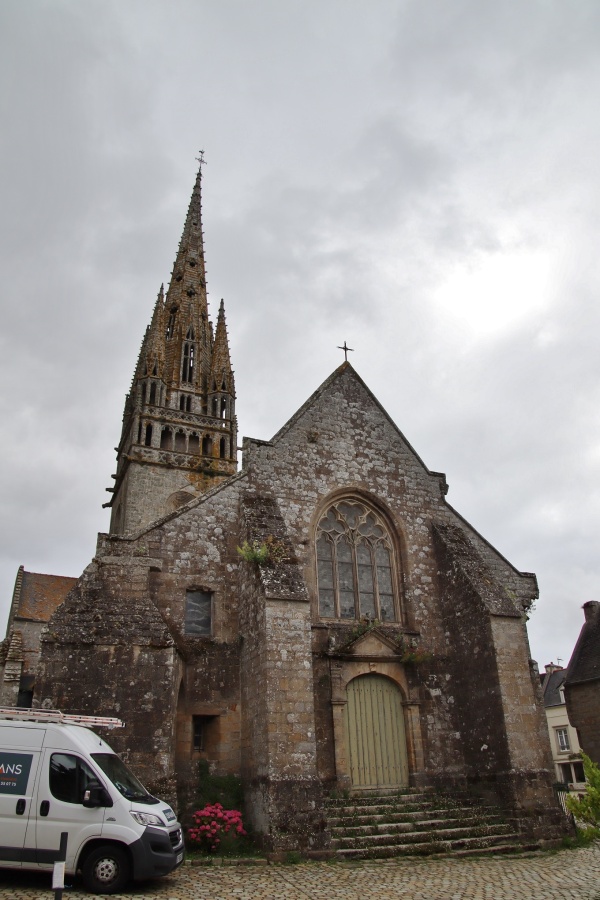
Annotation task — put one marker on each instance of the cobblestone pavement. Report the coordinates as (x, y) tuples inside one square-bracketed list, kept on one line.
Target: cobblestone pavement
[(566, 875)]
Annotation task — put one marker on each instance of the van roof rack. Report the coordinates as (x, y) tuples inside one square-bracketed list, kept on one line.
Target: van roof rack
[(55, 715)]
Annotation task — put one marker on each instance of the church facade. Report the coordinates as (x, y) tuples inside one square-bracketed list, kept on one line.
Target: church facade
[(320, 621)]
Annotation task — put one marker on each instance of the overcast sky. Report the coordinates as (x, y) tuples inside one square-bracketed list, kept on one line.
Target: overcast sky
[(418, 178)]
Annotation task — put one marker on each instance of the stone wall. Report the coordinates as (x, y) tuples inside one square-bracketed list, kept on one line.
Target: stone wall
[(151, 490), (106, 651), (284, 793)]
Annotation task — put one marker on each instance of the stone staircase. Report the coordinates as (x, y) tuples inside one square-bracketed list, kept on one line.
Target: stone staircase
[(418, 823)]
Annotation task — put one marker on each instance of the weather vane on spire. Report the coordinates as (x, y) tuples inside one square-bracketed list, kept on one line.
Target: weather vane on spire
[(346, 350), (200, 158)]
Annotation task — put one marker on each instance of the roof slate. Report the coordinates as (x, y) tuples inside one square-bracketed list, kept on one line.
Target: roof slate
[(42, 594), (584, 664)]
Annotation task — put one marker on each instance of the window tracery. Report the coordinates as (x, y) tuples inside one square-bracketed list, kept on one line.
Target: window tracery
[(355, 564)]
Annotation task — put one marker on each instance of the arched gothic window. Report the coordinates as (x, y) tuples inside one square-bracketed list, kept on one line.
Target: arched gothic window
[(185, 402), (171, 323), (355, 564), (187, 368)]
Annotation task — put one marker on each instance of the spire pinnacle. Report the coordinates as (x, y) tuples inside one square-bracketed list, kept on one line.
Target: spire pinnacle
[(186, 303), (221, 371)]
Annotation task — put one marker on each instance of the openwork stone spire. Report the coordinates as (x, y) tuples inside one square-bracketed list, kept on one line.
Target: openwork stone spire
[(221, 373), (179, 433)]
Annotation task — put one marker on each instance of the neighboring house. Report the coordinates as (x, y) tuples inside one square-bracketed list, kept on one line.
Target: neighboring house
[(563, 736), (381, 644), (35, 598), (582, 684)]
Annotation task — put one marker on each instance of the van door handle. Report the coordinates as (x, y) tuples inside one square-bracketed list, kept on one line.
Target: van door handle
[(44, 807), (20, 807)]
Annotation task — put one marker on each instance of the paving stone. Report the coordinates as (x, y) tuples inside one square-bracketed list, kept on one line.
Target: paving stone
[(570, 874)]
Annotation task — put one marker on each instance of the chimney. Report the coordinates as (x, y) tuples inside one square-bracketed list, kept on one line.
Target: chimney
[(591, 610), (552, 667)]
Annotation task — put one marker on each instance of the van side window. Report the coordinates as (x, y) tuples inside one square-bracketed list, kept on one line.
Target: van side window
[(69, 777)]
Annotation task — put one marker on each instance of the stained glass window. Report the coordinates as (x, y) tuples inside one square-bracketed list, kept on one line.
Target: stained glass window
[(355, 573)]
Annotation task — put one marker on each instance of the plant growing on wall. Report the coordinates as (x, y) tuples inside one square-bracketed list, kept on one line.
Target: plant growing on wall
[(261, 553), (412, 653), (363, 627)]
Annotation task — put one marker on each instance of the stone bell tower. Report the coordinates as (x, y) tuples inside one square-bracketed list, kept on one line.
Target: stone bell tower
[(179, 435)]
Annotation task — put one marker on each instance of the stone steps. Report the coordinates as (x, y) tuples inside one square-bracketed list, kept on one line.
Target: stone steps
[(463, 847), (411, 817), (416, 822), (416, 830), (390, 837)]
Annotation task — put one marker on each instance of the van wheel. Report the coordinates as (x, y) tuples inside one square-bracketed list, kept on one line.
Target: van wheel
[(106, 870)]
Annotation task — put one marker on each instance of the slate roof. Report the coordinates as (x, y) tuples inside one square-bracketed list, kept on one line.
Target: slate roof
[(584, 664), (41, 595)]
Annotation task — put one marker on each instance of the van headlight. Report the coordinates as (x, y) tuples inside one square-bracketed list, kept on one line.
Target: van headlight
[(146, 818)]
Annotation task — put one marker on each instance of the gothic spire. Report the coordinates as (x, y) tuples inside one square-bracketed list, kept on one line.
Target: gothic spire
[(221, 373), (186, 305), (151, 360), (179, 434)]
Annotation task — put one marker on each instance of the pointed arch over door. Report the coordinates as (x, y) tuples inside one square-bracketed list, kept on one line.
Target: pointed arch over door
[(375, 733)]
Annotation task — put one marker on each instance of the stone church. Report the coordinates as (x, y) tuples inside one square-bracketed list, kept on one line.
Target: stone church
[(321, 621)]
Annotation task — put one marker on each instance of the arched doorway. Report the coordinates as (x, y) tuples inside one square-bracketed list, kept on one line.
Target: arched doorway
[(374, 725)]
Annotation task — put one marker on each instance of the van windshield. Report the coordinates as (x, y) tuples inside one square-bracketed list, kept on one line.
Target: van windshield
[(124, 780)]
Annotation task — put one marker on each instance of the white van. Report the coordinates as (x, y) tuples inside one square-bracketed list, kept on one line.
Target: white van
[(56, 775)]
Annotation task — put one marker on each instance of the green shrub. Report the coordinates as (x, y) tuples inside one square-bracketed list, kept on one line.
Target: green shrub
[(224, 789), (262, 552), (587, 808), (583, 838)]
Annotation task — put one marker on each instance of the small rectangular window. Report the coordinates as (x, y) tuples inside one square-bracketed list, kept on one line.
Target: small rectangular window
[(562, 739), (565, 772), (198, 613), (199, 734), (204, 733)]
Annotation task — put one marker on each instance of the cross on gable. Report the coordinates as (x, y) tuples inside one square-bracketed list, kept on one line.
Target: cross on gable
[(346, 350)]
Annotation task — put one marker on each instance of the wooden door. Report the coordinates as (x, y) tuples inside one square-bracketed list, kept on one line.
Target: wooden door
[(374, 721)]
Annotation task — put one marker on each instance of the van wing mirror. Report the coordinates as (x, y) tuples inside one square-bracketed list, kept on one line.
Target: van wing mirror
[(96, 795)]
